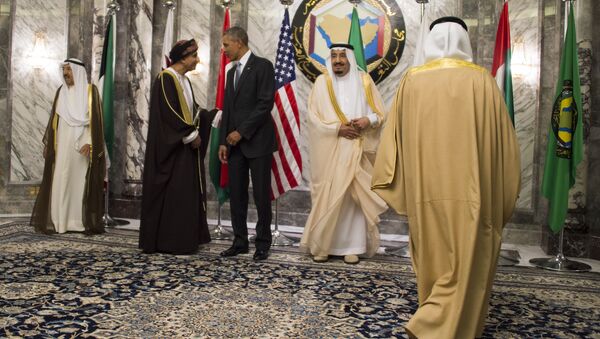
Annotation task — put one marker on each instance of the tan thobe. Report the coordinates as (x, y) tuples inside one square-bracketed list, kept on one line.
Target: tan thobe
[(340, 174), (449, 160)]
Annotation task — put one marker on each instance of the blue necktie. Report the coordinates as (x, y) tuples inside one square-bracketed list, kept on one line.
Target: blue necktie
[(238, 73)]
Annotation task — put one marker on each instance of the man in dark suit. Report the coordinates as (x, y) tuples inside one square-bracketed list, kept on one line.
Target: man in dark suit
[(248, 140)]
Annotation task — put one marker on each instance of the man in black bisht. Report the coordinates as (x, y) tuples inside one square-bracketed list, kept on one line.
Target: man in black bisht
[(174, 192)]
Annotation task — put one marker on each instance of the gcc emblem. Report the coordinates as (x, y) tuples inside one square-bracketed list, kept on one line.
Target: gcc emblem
[(319, 23)]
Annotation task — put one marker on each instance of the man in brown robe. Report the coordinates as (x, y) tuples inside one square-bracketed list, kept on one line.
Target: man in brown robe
[(174, 196), (70, 195), (449, 160)]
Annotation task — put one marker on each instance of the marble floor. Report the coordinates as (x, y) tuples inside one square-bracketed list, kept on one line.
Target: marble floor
[(525, 252)]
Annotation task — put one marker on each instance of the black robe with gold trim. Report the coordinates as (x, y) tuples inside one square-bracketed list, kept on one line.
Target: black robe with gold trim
[(93, 202), (174, 193)]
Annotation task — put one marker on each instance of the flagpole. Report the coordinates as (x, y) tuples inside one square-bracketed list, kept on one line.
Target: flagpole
[(560, 262), (278, 238), (218, 232), (501, 66), (112, 9), (422, 3)]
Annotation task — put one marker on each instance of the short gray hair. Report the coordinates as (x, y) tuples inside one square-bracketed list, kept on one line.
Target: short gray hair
[(237, 33)]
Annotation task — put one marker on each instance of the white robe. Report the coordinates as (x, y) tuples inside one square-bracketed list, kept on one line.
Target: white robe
[(350, 235), (344, 214), (69, 178)]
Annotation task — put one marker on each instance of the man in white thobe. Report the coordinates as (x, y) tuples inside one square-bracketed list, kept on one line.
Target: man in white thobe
[(70, 196), (345, 118)]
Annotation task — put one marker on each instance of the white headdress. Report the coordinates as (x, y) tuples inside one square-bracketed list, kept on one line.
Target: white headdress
[(448, 39), (72, 105), (73, 101), (349, 90)]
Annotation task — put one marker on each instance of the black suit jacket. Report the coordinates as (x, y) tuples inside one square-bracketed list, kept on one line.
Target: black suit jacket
[(247, 108)]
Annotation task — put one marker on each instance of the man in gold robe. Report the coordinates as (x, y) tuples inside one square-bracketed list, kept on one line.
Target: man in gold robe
[(70, 195), (344, 121), (449, 160)]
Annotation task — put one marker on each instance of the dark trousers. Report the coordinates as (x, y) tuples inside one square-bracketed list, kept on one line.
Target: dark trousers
[(260, 172)]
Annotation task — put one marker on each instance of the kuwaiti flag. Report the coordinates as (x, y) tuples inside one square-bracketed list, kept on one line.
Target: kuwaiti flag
[(168, 40), (106, 84), (218, 171), (501, 65), (286, 168)]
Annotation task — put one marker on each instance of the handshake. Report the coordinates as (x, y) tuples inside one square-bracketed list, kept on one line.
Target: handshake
[(354, 128)]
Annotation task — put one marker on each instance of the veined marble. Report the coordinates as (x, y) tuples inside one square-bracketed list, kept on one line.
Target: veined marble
[(526, 39), (195, 23), (577, 195), (139, 64), (33, 89), (98, 38)]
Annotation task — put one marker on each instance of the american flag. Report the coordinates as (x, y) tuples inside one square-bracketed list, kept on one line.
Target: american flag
[(286, 170)]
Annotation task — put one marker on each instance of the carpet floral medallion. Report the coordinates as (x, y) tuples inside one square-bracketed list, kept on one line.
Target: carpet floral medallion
[(70, 285)]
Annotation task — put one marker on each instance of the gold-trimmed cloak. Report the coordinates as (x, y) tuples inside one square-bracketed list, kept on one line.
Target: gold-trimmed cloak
[(449, 160), (338, 167), (92, 200)]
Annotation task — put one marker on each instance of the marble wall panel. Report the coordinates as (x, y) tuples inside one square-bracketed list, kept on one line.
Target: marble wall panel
[(5, 24), (526, 39), (593, 184), (99, 28), (33, 89), (577, 194), (195, 23), (139, 64)]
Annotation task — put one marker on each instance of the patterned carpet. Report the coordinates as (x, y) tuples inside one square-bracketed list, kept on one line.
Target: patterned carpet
[(102, 286)]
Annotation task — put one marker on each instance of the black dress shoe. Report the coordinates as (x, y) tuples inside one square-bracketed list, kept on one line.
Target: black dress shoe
[(233, 251), (261, 255)]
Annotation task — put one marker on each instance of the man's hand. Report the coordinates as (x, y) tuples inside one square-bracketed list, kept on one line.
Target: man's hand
[(196, 142), (361, 123), (233, 138), (85, 150), (223, 154), (348, 131)]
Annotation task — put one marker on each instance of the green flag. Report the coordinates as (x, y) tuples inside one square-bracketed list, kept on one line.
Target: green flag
[(565, 136), (219, 172), (355, 39), (214, 166), (106, 84)]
